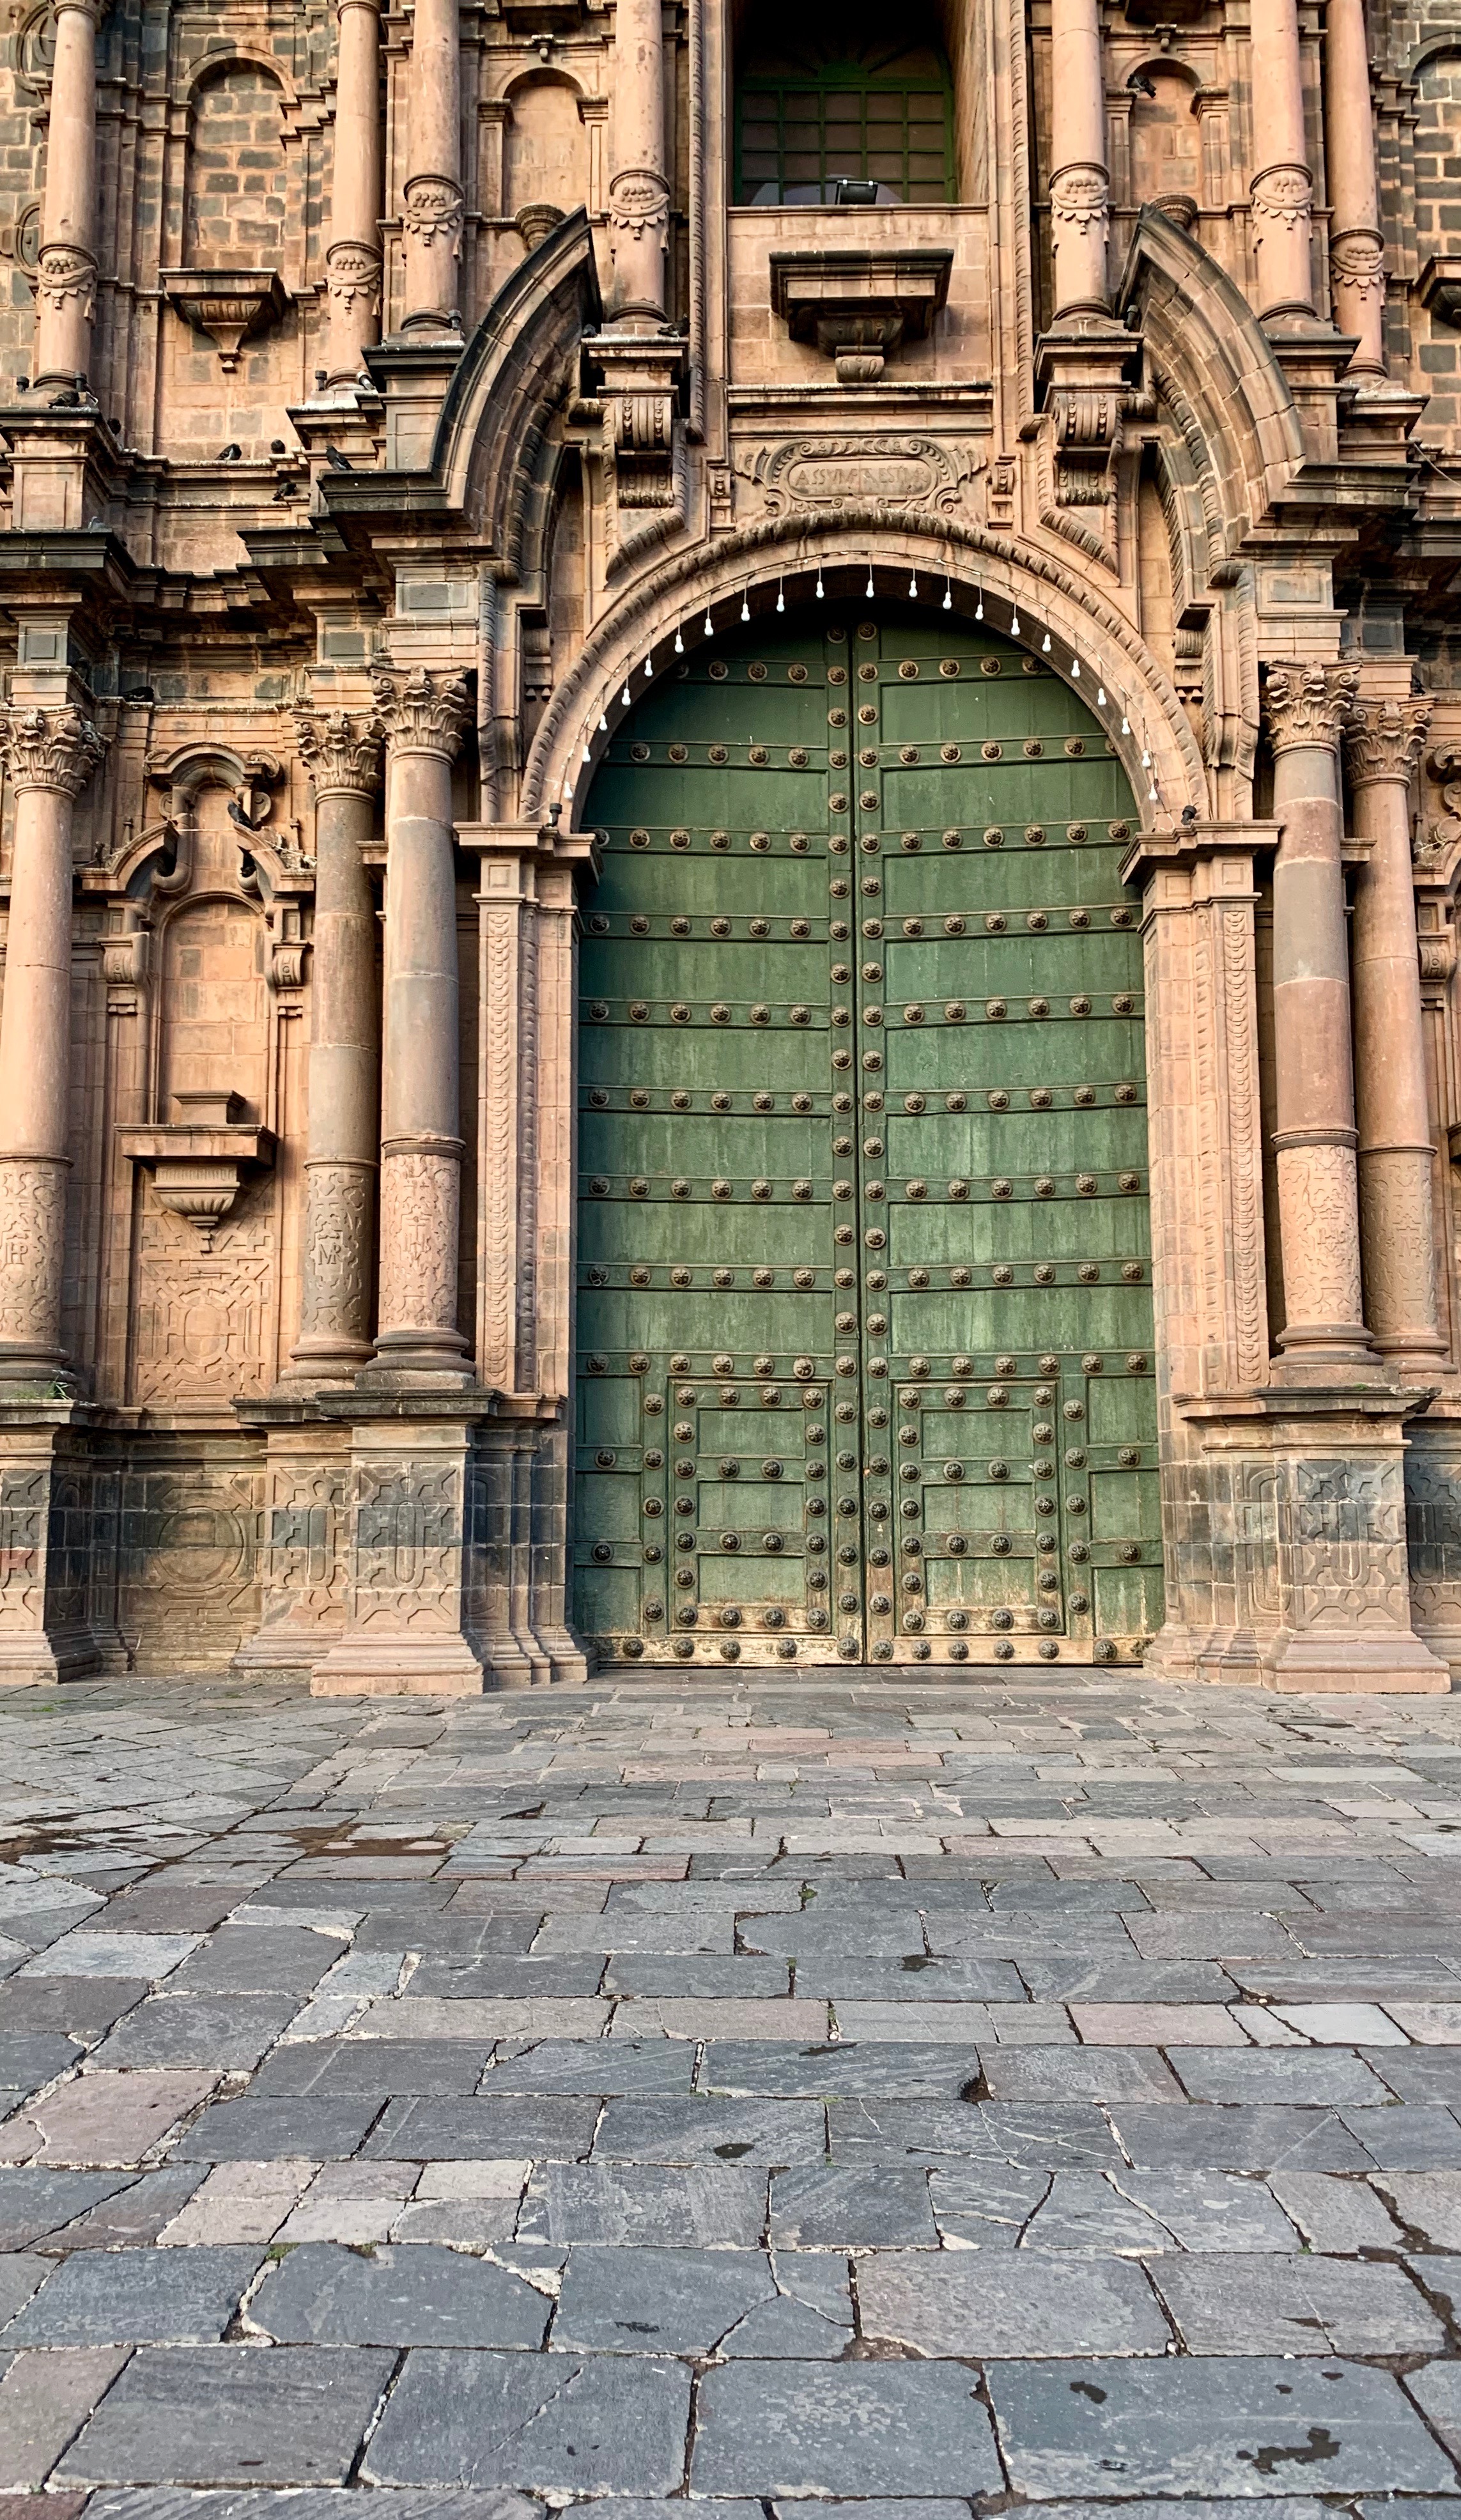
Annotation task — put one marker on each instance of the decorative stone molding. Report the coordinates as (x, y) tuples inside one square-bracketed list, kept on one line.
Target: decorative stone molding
[(335, 1303), (198, 1163), (1356, 262), (32, 1209), (821, 472), (1434, 845), (1079, 199), (352, 276), (342, 754), (1308, 704), (638, 206), (536, 221), (52, 748), (1282, 198), (432, 210), (640, 379), (65, 278), (420, 1196), (1383, 740), (422, 713), (859, 306), (1438, 288)]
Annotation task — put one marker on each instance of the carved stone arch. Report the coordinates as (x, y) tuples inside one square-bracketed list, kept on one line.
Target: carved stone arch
[(1085, 631), (1243, 436), (511, 379)]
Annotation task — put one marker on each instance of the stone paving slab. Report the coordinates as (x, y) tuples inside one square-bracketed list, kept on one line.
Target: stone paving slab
[(478, 2107)]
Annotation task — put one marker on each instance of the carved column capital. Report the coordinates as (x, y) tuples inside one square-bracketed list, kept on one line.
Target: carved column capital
[(1308, 705), (56, 748), (342, 754), (422, 712), (1383, 739)]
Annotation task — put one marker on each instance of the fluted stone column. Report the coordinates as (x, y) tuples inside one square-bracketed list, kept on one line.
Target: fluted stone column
[(1383, 741), (67, 264), (432, 212), (343, 758), (1282, 190), (1323, 1334), (421, 1146), (638, 192), (1079, 185), (352, 263), (1356, 245), (50, 754)]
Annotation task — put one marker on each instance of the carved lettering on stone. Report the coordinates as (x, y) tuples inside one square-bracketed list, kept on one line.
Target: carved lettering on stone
[(827, 472)]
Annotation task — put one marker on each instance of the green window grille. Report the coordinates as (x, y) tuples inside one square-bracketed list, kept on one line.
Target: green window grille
[(800, 130)]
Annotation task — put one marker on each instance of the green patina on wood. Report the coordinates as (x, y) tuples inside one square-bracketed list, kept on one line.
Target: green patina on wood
[(865, 1305)]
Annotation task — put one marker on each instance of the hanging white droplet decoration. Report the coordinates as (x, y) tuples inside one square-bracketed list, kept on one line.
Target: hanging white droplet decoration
[(1014, 625), (948, 599), (625, 697), (1075, 669), (1045, 644), (1146, 758), (978, 610), (781, 600), (744, 606), (587, 755), (648, 669), (603, 722), (1126, 723), (820, 588), (913, 587), (1100, 696), (709, 624), (870, 589), (679, 645)]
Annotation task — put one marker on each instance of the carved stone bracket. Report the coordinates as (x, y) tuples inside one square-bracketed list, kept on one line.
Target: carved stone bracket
[(198, 1163), (639, 376), (859, 306), (1086, 367), (229, 307)]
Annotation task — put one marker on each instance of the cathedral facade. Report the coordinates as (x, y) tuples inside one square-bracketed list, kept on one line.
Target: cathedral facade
[(731, 812)]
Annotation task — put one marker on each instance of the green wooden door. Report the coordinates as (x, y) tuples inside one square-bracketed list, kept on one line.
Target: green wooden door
[(864, 1308)]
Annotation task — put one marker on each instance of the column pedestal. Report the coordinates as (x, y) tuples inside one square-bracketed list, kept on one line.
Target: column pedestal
[(57, 1548), (303, 1556)]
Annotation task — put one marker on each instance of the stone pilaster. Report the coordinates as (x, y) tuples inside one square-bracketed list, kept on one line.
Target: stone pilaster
[(67, 264), (49, 755), (342, 755), (1323, 1335), (1382, 744), (1282, 190), (432, 194), (353, 261), (421, 1143)]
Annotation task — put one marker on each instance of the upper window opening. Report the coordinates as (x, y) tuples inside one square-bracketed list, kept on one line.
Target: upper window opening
[(843, 110)]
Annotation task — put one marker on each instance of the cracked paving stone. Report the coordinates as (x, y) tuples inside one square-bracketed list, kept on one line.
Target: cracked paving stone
[(231, 2415), (857, 2429), (1009, 2304), (687, 2301), (1116, 2074), (596, 2068), (1407, 2137), (714, 2209), (137, 2296), (1066, 2137), (846, 2068), (44, 2400), (711, 2130), (1295, 2305), (814, 2207), (332, 2070), (1437, 2391), (104, 2119), (1307, 2075), (1219, 2426), (36, 2202), (228, 2032), (549, 2423), (320, 2294), (1239, 2136)]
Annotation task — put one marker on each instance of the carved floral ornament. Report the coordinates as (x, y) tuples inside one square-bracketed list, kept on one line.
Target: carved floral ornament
[(638, 199), (352, 275), (1308, 703), (1383, 739), (63, 273), (1435, 843), (422, 713), (1356, 261), (432, 208), (54, 748), (342, 754), (1282, 198)]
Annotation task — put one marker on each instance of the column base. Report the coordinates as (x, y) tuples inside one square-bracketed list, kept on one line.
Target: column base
[(1386, 1666), (53, 1572), (398, 1667)]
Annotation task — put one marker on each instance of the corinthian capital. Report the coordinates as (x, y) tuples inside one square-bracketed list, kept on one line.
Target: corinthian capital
[(56, 749), (1383, 739), (423, 712), (1307, 704), (341, 754)]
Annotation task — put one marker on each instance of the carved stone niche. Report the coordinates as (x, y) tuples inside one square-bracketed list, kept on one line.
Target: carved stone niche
[(197, 1163), (229, 307), (860, 304)]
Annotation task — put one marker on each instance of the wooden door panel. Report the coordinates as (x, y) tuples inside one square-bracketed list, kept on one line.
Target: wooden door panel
[(864, 1257)]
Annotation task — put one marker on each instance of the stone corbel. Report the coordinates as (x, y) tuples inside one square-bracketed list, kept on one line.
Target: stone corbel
[(1087, 370), (1436, 856), (198, 1163), (861, 306), (638, 380)]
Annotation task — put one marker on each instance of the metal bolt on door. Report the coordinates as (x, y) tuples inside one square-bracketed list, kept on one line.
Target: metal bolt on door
[(864, 1310)]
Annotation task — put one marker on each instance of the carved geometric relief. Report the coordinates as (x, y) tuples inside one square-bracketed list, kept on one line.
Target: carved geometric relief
[(203, 1318), (407, 1570), (188, 1561), (1347, 1524), (302, 1562)]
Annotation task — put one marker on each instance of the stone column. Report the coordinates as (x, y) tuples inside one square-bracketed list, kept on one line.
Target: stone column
[(1282, 191), (638, 192), (352, 263), (1356, 245), (432, 215), (1077, 158), (1383, 741), (343, 758), (421, 1146), (1323, 1335), (67, 265), (50, 754)]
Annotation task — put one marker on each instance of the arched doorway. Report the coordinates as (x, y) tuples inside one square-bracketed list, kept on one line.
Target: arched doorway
[(864, 1311)]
